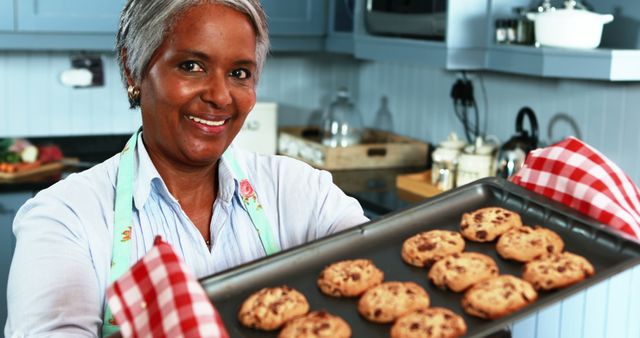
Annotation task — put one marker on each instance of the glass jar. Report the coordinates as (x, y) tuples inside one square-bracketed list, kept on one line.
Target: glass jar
[(342, 124)]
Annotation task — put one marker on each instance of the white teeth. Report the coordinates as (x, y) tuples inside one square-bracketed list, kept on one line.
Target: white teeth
[(207, 122)]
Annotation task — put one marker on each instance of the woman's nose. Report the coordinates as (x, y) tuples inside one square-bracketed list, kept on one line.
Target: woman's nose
[(216, 91)]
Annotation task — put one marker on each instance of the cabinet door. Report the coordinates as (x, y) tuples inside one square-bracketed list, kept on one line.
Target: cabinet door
[(78, 16), (9, 205), (6, 15), (296, 17)]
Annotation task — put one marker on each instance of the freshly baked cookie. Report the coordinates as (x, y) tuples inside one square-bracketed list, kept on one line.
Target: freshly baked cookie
[(427, 323), (459, 271), (349, 278), (390, 300), (498, 296), (557, 271), (316, 324), (484, 225), (427, 247), (269, 308), (525, 243)]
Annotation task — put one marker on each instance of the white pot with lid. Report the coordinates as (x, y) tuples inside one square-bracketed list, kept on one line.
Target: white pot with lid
[(569, 27)]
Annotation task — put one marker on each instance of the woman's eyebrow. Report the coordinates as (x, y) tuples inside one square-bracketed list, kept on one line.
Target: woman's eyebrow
[(195, 53)]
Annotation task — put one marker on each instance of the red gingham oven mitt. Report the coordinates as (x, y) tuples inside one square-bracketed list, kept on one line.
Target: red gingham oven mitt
[(580, 177), (159, 297)]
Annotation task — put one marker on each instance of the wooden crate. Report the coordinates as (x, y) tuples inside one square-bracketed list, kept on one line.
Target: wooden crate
[(379, 149)]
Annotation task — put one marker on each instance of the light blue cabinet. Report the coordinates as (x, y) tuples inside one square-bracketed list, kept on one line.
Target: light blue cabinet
[(9, 205), (296, 17), (295, 25), (6, 15), (72, 16)]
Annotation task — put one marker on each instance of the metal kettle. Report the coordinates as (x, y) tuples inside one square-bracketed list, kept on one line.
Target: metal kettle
[(514, 152)]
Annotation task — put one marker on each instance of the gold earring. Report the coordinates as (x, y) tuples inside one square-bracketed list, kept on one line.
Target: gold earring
[(134, 96)]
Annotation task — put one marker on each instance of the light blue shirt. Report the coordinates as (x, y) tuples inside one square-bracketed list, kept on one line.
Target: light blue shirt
[(60, 269)]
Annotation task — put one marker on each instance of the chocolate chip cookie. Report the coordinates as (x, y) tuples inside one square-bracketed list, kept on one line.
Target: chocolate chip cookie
[(316, 324), (459, 271), (557, 271), (427, 323), (349, 278), (498, 296), (427, 247), (525, 243), (390, 300), (484, 225), (269, 308)]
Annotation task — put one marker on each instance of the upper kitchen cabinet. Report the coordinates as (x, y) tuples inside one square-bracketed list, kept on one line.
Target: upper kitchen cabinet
[(69, 16), (295, 25), (59, 25), (617, 58), (6, 15), (340, 27), (439, 33)]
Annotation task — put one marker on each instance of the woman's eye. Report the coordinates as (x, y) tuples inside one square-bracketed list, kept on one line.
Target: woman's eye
[(191, 66), (241, 73)]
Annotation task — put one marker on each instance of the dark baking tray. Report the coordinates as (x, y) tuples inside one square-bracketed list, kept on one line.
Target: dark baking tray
[(609, 251)]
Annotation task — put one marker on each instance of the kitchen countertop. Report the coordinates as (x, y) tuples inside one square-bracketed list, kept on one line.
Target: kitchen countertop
[(374, 188)]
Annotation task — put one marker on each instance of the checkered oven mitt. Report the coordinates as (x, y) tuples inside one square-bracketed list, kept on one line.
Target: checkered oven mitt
[(579, 176), (159, 297)]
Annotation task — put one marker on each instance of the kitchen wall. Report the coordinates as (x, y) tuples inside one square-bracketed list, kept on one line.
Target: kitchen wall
[(607, 114), (34, 103)]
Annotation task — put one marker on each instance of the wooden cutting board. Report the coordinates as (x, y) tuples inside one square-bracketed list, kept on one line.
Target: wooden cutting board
[(417, 183), (40, 169)]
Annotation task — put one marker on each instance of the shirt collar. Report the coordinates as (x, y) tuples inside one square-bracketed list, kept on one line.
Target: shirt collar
[(148, 178)]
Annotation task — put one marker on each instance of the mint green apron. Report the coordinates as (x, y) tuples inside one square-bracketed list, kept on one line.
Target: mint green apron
[(124, 218)]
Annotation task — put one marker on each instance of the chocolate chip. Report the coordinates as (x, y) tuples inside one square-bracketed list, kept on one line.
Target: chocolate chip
[(478, 217), (414, 326), (550, 248), (481, 234), (452, 242), (460, 269), (428, 262), (447, 316), (499, 218), (355, 276), (377, 313), (463, 226), (561, 269), (426, 247)]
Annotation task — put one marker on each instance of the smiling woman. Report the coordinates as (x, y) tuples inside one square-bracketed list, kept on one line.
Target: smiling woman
[(192, 67)]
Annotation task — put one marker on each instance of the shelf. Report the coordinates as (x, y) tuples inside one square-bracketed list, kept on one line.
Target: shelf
[(596, 64)]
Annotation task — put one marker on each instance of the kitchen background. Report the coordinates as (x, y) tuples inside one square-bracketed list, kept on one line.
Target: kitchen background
[(33, 102)]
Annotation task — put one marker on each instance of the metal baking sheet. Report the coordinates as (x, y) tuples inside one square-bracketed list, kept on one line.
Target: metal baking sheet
[(381, 241)]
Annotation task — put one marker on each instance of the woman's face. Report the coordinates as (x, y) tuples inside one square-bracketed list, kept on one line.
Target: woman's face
[(199, 86)]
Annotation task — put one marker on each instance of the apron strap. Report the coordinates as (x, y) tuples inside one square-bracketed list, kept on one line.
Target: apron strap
[(250, 200), (121, 249)]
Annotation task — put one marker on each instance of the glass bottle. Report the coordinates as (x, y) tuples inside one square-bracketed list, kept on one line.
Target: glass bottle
[(342, 124), (384, 120)]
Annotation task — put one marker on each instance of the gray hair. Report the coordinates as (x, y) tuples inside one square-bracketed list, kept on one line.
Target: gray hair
[(144, 23)]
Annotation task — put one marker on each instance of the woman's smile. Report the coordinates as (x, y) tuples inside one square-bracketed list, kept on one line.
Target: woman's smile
[(212, 125)]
